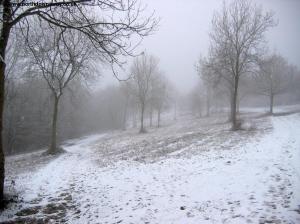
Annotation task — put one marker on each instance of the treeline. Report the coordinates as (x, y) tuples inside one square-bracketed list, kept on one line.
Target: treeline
[(29, 105), (28, 114), (238, 67), (45, 51)]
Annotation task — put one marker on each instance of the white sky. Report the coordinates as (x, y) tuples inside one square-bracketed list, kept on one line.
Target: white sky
[(182, 35)]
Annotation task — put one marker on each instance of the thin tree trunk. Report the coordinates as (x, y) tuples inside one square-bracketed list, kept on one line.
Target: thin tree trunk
[(175, 111), (53, 148), (238, 101), (142, 118), (231, 107), (271, 103), (151, 114), (134, 123), (5, 31), (234, 106), (207, 103), (125, 115), (200, 111), (158, 118), (134, 120)]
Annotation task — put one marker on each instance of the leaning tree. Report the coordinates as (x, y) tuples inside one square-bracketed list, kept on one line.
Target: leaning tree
[(107, 24)]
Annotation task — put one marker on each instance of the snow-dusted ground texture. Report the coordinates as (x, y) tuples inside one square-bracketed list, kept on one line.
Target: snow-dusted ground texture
[(193, 171)]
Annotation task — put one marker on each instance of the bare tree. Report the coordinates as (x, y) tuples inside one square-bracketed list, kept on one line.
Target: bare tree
[(151, 101), (107, 33), (61, 55), (237, 39), (159, 94), (143, 69), (12, 72), (173, 99), (196, 101), (274, 77), (209, 79)]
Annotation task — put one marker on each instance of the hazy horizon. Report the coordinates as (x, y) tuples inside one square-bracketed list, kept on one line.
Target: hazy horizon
[(192, 34)]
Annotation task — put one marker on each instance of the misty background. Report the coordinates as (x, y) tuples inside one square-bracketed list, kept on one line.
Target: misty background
[(136, 111), (182, 36), (99, 103)]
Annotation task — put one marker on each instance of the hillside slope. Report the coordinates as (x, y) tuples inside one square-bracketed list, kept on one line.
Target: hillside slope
[(195, 171)]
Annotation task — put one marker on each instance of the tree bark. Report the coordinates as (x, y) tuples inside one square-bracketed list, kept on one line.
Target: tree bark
[(53, 147), (5, 31)]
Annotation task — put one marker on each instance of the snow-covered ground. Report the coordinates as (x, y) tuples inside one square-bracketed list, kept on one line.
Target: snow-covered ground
[(194, 171)]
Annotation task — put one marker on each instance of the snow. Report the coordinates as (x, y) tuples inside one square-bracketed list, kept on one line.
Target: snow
[(187, 173)]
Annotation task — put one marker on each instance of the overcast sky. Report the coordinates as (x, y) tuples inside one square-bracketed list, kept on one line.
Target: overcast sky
[(182, 35)]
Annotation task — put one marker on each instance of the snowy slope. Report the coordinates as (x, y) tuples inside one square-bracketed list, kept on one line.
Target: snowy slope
[(187, 173)]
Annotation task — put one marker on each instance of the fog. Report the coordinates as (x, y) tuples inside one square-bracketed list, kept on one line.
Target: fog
[(173, 48), (183, 30), (148, 111)]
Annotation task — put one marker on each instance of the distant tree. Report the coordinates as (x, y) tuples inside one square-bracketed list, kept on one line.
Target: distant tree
[(143, 70), (196, 100), (295, 85), (274, 77), (151, 100), (160, 94), (173, 98), (125, 89), (209, 79), (13, 71), (237, 39)]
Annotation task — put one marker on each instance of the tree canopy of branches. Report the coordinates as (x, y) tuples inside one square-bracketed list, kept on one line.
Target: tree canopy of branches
[(108, 25)]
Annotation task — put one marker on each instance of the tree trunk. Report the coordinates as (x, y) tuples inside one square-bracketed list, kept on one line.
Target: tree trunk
[(2, 158), (151, 115), (158, 118), (207, 102), (53, 148), (125, 115), (200, 110), (142, 130), (234, 105), (271, 103), (175, 111), (134, 122), (238, 101), (5, 31), (231, 106)]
